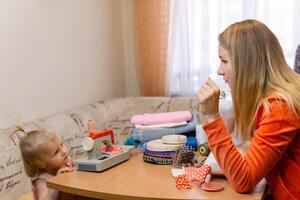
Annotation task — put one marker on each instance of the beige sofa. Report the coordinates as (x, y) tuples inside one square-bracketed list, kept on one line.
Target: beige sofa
[(72, 126)]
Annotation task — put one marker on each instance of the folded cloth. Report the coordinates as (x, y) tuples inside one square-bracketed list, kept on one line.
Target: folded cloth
[(168, 125), (215, 168), (145, 135), (161, 118)]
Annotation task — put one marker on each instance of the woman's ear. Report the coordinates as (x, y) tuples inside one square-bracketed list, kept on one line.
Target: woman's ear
[(40, 164)]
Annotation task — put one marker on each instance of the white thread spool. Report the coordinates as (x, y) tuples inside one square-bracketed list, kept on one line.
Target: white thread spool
[(226, 112), (200, 135)]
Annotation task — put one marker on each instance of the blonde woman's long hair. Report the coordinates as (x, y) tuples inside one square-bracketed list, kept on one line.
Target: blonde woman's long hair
[(258, 70), (32, 144)]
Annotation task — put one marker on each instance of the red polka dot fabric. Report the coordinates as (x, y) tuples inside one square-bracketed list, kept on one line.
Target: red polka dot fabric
[(192, 175), (111, 149)]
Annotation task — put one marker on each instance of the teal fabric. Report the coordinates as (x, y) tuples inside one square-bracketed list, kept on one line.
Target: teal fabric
[(131, 141)]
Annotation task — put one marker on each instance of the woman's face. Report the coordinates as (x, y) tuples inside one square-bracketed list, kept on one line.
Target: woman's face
[(225, 65)]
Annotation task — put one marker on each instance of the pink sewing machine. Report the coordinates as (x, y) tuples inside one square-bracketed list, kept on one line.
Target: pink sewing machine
[(98, 146)]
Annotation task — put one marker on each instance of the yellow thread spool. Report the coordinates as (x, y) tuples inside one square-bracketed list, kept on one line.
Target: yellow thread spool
[(204, 149)]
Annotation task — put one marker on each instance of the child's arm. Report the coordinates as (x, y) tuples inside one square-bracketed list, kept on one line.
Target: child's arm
[(43, 192), (65, 169)]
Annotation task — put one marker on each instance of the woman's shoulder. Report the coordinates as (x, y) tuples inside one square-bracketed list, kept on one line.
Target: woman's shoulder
[(279, 107), (275, 98), (276, 103)]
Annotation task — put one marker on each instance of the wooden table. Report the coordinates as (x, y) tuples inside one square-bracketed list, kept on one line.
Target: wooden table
[(136, 179)]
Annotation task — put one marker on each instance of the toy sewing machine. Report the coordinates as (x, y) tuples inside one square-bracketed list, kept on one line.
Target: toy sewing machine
[(101, 152)]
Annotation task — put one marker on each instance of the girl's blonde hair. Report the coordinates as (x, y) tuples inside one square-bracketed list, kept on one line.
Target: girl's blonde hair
[(258, 70), (32, 144)]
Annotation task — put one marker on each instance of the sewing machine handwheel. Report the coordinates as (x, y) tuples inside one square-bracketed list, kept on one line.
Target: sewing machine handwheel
[(204, 149), (87, 144)]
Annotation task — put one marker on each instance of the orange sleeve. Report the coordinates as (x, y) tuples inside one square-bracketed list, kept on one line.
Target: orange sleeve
[(273, 135)]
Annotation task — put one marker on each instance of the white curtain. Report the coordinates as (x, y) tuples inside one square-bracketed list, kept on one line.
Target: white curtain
[(194, 29)]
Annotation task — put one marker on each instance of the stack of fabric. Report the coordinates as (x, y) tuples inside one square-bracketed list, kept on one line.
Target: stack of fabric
[(161, 151), (149, 127)]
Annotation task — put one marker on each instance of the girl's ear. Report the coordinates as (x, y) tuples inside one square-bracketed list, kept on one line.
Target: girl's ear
[(40, 164)]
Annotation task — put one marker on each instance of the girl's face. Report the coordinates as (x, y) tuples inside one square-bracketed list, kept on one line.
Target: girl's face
[(54, 156), (225, 65)]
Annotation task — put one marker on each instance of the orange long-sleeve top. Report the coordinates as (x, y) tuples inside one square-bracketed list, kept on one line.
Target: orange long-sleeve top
[(274, 152)]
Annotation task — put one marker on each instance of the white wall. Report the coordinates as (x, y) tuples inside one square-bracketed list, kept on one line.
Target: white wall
[(58, 54)]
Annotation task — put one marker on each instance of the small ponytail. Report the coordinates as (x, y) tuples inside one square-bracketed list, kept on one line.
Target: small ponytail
[(20, 130), (18, 127), (16, 133)]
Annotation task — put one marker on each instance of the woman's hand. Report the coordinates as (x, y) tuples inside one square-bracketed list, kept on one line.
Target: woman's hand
[(208, 96)]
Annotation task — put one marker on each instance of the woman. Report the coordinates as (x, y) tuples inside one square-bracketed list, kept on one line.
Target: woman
[(266, 102)]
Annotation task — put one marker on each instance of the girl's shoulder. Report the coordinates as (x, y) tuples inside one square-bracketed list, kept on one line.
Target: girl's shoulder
[(41, 176)]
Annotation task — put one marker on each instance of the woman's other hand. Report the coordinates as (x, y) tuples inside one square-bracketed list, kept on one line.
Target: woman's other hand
[(208, 96)]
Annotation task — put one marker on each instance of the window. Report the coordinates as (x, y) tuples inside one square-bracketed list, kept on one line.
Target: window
[(194, 29)]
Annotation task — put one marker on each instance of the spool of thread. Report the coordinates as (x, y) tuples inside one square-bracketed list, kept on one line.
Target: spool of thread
[(204, 149), (226, 112), (192, 142), (201, 136), (90, 127)]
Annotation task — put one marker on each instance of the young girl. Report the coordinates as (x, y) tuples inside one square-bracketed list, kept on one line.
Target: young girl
[(266, 101), (44, 156)]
